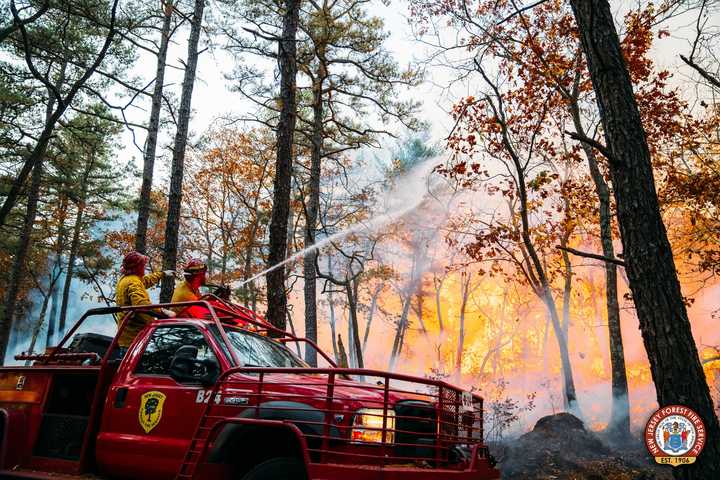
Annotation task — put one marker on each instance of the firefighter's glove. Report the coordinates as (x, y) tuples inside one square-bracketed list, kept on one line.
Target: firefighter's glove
[(168, 313), (223, 292), (169, 273)]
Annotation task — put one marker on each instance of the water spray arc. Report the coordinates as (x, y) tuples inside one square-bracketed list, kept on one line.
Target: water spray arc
[(429, 189)]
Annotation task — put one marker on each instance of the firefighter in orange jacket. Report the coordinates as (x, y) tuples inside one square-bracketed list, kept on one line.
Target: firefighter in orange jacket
[(195, 272), (131, 291)]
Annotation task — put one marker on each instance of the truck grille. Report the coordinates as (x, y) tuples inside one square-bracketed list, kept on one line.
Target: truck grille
[(415, 428)]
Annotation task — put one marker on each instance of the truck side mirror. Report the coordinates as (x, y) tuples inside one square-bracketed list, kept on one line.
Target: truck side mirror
[(186, 368)]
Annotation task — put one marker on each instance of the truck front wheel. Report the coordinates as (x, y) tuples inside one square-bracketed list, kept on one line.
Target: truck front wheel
[(280, 468)]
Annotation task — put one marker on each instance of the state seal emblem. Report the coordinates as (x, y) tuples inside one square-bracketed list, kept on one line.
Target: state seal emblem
[(151, 408), (675, 435)]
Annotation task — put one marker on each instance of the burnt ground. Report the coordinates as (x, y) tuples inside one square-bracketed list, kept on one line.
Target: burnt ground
[(560, 448)]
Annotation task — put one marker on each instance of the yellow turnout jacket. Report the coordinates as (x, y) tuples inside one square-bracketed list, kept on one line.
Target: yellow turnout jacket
[(184, 293), (131, 291)]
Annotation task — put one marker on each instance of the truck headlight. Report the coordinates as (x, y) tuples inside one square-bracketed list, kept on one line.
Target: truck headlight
[(368, 426)]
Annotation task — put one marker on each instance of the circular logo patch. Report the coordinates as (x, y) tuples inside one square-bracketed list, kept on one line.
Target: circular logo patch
[(675, 435)]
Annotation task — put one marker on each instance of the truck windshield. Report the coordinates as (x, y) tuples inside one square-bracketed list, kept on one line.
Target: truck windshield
[(257, 351)]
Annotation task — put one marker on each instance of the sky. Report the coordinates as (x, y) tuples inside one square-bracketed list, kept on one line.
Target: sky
[(213, 99)]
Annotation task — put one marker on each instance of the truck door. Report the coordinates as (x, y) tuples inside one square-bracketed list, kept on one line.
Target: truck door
[(149, 417)]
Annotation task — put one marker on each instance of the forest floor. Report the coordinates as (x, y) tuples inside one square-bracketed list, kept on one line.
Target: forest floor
[(560, 448)]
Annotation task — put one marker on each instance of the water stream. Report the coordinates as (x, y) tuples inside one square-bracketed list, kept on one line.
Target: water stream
[(370, 225), (396, 212)]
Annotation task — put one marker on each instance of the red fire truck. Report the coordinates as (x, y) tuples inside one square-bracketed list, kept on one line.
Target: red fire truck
[(226, 396)]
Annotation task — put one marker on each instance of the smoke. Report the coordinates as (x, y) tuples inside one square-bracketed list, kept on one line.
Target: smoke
[(82, 297), (408, 193), (526, 375)]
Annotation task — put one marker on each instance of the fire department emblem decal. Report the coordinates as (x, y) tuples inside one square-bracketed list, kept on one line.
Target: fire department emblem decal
[(675, 435), (151, 408)]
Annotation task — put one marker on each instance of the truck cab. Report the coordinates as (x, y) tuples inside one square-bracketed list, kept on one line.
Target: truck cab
[(226, 396)]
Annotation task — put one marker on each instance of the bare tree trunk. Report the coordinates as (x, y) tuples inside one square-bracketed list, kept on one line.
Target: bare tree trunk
[(276, 296), (371, 315), (253, 297), (404, 321), (54, 310), (351, 289), (620, 417), (333, 332), (70, 271), (570, 397), (75, 243), (350, 350), (153, 129), (38, 326), (41, 317), (248, 288), (289, 245), (342, 359), (421, 320), (57, 271), (543, 291), (542, 288), (438, 282), (32, 159), (17, 273), (292, 331), (172, 226), (567, 281), (400, 332), (311, 215), (546, 333), (664, 324), (224, 262), (464, 293)]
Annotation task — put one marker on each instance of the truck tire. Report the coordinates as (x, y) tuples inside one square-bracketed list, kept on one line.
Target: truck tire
[(280, 468)]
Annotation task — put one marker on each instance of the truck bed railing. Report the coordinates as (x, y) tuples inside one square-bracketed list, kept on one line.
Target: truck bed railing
[(219, 311), (406, 420)]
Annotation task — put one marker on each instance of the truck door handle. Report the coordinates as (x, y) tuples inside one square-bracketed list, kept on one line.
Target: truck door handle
[(120, 397)]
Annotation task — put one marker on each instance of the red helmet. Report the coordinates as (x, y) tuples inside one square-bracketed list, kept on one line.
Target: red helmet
[(194, 266), (133, 261)]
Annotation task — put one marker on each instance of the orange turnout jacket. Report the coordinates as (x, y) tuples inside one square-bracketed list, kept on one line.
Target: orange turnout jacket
[(131, 291)]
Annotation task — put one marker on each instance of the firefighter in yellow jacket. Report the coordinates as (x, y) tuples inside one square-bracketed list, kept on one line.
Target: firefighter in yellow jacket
[(131, 290), (195, 272)]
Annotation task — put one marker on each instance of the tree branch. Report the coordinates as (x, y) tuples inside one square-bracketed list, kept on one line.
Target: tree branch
[(703, 73), (593, 143), (518, 11), (595, 256), (17, 22), (62, 105)]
